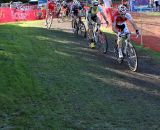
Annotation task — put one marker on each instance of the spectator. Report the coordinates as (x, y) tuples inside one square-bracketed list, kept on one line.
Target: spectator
[(156, 5), (159, 5)]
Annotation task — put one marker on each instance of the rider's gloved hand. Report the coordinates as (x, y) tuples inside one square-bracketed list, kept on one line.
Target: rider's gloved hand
[(137, 32)]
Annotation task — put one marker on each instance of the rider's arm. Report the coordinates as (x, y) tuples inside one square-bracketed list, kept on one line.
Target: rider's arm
[(129, 17), (114, 27), (102, 13), (114, 23), (134, 25)]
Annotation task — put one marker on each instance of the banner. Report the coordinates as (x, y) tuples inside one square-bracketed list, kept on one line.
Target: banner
[(23, 14), (139, 5)]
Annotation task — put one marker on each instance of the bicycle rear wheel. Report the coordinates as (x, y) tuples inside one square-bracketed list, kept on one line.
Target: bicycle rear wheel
[(49, 21), (102, 43), (81, 29), (132, 59)]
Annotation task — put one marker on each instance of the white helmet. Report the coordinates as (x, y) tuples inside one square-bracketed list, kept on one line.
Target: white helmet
[(122, 9)]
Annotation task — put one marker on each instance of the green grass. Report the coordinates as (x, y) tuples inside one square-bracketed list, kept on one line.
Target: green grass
[(48, 81), (153, 13)]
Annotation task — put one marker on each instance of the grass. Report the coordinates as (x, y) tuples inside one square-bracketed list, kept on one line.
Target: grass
[(49, 81), (153, 13)]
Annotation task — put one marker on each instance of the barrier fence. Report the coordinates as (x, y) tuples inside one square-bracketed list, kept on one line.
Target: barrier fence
[(21, 14)]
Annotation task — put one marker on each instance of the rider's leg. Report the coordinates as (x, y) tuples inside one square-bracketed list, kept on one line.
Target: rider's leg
[(47, 15), (123, 29), (98, 21), (119, 43), (90, 32)]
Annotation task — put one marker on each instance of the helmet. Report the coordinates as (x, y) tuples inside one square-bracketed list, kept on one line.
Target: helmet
[(95, 3), (75, 1), (122, 9)]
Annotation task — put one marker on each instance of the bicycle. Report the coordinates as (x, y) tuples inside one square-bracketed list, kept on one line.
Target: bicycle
[(64, 15), (128, 50), (99, 38), (78, 26)]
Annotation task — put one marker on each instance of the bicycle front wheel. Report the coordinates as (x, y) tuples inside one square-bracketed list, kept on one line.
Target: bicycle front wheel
[(102, 43), (132, 59), (81, 29)]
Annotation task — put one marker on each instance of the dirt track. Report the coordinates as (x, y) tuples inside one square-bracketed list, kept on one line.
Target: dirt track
[(149, 26), (147, 77)]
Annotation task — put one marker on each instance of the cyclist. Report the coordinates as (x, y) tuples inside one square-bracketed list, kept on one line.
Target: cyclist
[(51, 6), (65, 7), (50, 9), (119, 26), (75, 7), (58, 7), (93, 18)]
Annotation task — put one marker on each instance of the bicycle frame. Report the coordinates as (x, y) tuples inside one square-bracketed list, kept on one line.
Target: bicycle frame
[(128, 51), (96, 29), (125, 40)]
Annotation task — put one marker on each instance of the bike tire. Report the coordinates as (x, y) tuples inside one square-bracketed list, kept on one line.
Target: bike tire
[(102, 43), (81, 29), (132, 58)]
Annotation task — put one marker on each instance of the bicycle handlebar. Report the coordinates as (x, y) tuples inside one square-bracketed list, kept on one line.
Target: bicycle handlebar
[(125, 34)]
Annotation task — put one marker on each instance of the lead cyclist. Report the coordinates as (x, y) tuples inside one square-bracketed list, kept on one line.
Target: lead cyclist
[(119, 26), (93, 18)]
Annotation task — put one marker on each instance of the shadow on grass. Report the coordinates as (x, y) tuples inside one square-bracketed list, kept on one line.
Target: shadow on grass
[(56, 82)]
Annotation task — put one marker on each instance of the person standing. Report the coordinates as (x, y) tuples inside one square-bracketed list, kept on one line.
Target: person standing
[(159, 5), (156, 5)]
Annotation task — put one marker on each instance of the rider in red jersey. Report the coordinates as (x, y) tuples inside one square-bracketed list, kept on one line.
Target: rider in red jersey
[(119, 25), (51, 5)]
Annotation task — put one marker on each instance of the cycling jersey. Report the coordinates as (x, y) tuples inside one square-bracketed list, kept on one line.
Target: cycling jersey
[(51, 5), (93, 13), (119, 20)]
